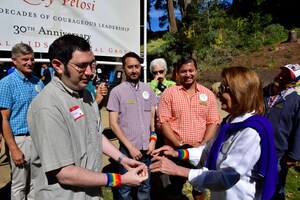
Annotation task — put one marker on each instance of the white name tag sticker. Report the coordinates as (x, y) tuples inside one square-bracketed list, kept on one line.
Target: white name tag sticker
[(76, 112)]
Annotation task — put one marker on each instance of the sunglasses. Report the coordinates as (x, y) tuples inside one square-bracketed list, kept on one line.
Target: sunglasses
[(223, 89), (156, 72)]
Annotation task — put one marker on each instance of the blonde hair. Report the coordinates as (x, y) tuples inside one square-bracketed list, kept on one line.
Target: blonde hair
[(246, 89)]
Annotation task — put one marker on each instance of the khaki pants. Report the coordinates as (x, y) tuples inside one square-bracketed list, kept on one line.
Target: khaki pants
[(22, 185)]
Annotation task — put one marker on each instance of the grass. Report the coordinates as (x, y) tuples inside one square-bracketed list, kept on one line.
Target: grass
[(292, 183)]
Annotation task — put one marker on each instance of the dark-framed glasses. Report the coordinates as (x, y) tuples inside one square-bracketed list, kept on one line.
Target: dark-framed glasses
[(81, 67), (223, 89), (159, 71)]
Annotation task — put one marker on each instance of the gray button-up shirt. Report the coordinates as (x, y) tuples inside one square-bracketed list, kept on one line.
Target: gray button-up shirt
[(65, 128)]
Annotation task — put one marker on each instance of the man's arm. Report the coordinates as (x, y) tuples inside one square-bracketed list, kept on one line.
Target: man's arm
[(209, 133), (81, 177), (110, 150), (113, 123), (169, 134), (152, 129), (16, 154)]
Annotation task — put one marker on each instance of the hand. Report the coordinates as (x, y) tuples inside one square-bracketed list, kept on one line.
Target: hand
[(135, 176), (160, 79), (129, 163), (289, 162), (102, 89), (151, 147), (164, 165), (165, 150), (135, 153), (18, 158)]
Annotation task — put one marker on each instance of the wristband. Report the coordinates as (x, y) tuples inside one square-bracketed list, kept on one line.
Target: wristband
[(183, 154), (120, 158), (153, 136), (113, 180)]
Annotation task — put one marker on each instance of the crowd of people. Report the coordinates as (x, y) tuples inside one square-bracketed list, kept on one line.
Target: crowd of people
[(52, 146)]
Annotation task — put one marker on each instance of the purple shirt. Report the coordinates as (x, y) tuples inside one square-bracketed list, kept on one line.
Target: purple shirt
[(133, 104)]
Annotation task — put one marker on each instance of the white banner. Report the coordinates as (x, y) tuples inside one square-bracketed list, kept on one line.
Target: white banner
[(111, 26)]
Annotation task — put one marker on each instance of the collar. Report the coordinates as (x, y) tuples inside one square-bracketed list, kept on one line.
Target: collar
[(180, 87), (242, 117), (63, 87), (132, 85), (21, 77)]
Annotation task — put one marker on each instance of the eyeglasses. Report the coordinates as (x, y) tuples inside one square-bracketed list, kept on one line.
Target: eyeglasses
[(82, 66), (156, 72), (223, 88)]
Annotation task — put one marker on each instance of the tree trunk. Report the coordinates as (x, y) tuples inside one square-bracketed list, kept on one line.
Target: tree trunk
[(172, 21), (292, 36)]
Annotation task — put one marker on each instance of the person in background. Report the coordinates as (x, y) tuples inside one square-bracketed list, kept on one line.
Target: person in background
[(5, 171), (283, 110), (99, 90), (66, 131), (11, 70), (174, 73), (131, 107), (46, 76), (158, 68), (188, 117), (17, 91), (4, 69), (240, 161)]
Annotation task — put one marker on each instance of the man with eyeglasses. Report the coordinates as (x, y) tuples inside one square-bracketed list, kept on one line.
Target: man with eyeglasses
[(66, 131), (158, 68), (131, 107), (188, 117), (17, 91)]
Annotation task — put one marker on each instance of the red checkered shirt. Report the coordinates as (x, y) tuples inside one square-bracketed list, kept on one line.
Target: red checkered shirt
[(187, 115)]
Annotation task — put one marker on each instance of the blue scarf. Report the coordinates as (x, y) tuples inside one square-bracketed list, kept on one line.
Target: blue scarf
[(267, 163)]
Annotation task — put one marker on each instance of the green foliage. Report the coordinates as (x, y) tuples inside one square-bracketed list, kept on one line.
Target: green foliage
[(215, 37), (275, 33)]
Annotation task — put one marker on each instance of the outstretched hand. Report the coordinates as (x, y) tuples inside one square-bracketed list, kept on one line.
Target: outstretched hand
[(165, 150), (164, 165)]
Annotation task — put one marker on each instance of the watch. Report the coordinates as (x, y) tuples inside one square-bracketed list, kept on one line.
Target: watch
[(120, 159)]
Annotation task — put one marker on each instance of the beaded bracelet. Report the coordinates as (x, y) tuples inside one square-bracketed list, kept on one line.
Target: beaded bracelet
[(113, 180), (183, 154), (153, 136)]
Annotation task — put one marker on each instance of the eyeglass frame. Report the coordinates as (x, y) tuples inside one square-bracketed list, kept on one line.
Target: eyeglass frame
[(83, 66), (158, 72), (223, 88)]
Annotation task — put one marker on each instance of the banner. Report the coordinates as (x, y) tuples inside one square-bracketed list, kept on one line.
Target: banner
[(111, 26)]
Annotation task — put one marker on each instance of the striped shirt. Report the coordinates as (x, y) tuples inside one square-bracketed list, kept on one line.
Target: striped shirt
[(16, 94), (133, 104), (188, 116)]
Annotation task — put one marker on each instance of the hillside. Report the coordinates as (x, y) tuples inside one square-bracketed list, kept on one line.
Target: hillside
[(265, 62)]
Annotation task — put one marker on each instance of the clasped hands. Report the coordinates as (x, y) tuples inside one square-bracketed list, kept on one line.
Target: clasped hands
[(137, 172)]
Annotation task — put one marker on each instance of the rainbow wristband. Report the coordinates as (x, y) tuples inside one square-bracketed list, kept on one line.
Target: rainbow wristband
[(153, 136), (183, 154), (113, 180)]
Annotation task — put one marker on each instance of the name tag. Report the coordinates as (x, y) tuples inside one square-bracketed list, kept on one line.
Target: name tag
[(131, 102), (76, 112), (278, 106)]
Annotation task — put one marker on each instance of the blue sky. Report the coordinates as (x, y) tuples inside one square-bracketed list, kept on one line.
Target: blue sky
[(156, 14), (154, 19)]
